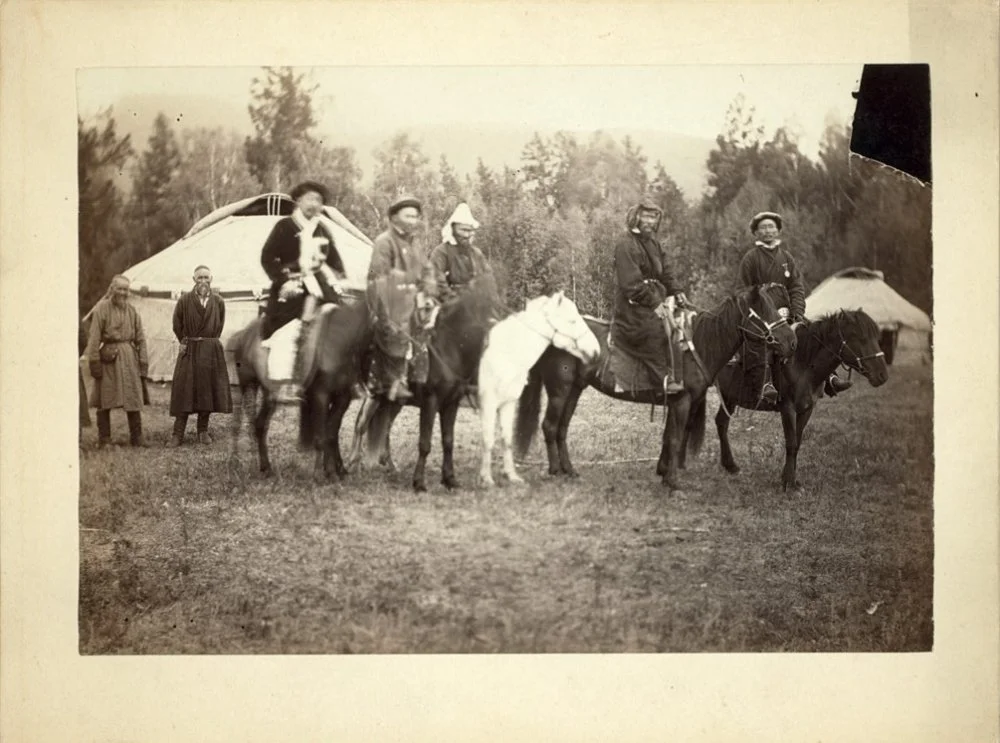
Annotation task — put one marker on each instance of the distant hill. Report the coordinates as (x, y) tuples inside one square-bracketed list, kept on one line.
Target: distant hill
[(683, 156)]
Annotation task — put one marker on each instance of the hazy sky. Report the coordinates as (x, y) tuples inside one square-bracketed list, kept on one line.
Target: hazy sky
[(685, 100)]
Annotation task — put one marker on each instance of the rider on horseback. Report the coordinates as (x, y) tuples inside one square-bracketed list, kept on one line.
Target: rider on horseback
[(457, 261), (647, 295), (403, 295), (301, 259), (769, 262)]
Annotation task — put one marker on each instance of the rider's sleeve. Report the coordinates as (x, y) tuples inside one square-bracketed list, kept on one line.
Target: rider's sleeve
[(796, 291), (630, 280), (270, 256), (381, 261), (667, 277), (747, 274), (333, 259), (439, 262)]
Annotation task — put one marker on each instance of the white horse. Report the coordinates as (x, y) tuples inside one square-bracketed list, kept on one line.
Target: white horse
[(512, 348)]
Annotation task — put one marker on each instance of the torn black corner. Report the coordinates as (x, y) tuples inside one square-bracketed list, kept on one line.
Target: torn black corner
[(892, 120)]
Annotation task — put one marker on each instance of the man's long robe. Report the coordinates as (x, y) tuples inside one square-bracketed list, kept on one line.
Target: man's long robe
[(120, 385), (201, 382), (643, 281)]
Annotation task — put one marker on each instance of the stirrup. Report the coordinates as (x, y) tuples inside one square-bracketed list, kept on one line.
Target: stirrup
[(769, 393), (399, 390), (672, 386)]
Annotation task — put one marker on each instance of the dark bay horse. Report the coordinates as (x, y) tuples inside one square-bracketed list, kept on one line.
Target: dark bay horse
[(454, 352), (717, 334), (844, 338), (344, 335)]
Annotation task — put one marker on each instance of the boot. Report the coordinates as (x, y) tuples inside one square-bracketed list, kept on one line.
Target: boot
[(671, 386), (770, 393), (135, 430), (835, 385), (203, 436), (177, 438), (103, 428)]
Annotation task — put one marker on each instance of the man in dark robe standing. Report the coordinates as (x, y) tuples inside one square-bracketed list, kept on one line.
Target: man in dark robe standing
[(767, 262), (201, 381), (301, 258), (116, 354), (403, 293), (646, 291)]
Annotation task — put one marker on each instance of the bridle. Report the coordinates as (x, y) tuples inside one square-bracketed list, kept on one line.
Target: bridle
[(556, 331), (768, 328), (857, 363)]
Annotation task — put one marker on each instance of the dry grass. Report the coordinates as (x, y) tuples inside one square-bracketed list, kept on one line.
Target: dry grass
[(183, 553)]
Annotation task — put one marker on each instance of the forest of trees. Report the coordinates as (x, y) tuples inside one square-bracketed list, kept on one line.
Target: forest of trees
[(549, 221)]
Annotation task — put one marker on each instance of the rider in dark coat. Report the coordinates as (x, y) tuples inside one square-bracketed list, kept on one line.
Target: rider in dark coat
[(769, 261), (644, 283)]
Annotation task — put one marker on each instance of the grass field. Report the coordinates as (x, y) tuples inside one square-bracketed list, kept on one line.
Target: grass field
[(180, 552)]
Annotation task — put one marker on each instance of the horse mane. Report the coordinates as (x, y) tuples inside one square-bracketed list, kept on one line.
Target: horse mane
[(714, 330), (823, 331)]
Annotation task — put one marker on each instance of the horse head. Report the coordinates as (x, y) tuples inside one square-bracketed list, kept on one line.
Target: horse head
[(765, 323), (569, 331), (859, 347)]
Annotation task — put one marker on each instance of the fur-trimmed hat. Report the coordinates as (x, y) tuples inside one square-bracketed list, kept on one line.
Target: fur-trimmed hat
[(310, 187), (758, 218), (402, 202)]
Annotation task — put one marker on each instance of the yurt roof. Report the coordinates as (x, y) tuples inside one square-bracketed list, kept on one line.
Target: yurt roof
[(229, 241), (863, 288)]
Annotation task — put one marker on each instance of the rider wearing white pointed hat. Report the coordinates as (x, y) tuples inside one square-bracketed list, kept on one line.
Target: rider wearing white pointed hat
[(457, 261)]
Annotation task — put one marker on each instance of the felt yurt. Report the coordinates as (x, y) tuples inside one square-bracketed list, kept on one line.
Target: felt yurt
[(229, 241), (906, 329)]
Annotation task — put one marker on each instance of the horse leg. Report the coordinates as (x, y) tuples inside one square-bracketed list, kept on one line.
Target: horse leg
[(361, 423), (788, 423), (507, 410), (801, 419), (385, 456), (261, 425), (448, 415), (673, 433), (487, 421), (428, 412), (572, 398), (320, 407), (722, 426), (550, 426), (340, 403)]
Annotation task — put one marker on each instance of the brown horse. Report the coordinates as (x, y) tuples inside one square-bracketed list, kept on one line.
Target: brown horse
[(717, 335), (850, 339), (454, 353), (344, 335)]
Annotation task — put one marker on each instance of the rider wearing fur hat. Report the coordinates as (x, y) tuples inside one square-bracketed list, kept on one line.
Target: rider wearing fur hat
[(646, 292)]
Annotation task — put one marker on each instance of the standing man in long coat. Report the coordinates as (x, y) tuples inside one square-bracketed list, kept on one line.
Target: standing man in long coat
[(769, 261), (116, 353), (400, 281), (644, 283), (201, 381)]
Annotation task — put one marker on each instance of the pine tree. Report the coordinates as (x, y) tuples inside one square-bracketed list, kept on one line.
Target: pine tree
[(101, 155), (155, 217), (282, 115)]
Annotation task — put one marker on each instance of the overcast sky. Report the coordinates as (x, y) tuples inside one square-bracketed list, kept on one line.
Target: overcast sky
[(684, 100)]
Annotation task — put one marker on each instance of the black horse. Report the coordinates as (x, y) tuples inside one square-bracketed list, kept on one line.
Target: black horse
[(344, 336), (850, 339), (455, 349), (748, 314)]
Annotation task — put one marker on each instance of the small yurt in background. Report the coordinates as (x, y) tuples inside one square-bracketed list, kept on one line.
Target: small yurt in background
[(229, 242), (906, 329)]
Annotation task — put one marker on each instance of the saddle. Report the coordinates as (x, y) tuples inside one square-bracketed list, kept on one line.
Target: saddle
[(626, 374)]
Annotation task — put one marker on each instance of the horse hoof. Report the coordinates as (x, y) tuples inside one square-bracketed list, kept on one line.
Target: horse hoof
[(266, 472), (516, 481), (732, 469), (450, 482), (555, 471), (571, 473), (419, 487)]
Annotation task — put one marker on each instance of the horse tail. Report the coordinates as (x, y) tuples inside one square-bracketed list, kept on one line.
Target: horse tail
[(696, 426), (529, 407)]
